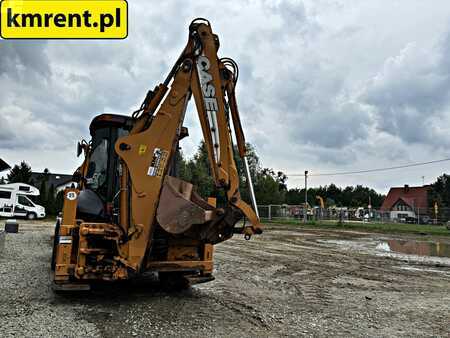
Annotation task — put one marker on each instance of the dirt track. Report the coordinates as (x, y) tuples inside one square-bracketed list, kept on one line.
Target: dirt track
[(285, 283)]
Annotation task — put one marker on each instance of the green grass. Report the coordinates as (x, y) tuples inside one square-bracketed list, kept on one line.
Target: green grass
[(436, 230)]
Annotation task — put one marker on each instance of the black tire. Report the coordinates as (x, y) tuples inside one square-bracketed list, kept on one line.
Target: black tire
[(173, 281), (55, 243), (31, 216)]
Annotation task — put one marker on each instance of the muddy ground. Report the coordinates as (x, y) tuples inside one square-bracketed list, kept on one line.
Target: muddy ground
[(287, 282)]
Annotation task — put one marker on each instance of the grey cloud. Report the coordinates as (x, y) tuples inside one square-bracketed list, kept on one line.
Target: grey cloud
[(20, 60), (292, 12), (333, 129), (411, 93), (323, 83), (6, 133), (50, 87)]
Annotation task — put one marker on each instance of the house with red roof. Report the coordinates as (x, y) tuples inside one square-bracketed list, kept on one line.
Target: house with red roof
[(405, 202)]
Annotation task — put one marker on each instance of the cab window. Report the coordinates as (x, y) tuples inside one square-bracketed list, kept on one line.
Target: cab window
[(98, 164), (5, 195), (23, 200)]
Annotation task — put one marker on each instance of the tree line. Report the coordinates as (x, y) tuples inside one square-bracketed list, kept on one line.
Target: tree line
[(271, 186)]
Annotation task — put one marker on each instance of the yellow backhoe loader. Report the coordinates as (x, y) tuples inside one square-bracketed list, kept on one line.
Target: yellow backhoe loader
[(129, 214)]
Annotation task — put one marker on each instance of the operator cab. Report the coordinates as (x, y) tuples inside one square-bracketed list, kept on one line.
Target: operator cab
[(100, 196)]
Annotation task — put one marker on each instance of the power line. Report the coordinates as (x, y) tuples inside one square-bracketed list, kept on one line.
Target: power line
[(373, 170)]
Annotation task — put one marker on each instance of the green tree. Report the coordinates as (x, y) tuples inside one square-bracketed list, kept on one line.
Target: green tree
[(181, 166), (197, 171), (201, 172), (51, 201), (440, 193), (43, 194), (254, 168), (20, 173), (295, 197), (42, 180), (269, 186), (333, 195), (347, 196)]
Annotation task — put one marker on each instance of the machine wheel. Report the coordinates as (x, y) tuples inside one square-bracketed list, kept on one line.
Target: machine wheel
[(55, 243), (31, 216), (173, 281)]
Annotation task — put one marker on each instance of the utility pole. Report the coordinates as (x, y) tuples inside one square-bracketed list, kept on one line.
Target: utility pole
[(418, 211), (305, 210)]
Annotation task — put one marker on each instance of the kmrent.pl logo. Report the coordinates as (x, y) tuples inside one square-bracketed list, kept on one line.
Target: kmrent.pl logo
[(68, 19)]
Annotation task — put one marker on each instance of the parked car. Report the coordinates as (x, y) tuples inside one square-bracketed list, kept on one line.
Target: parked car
[(422, 220)]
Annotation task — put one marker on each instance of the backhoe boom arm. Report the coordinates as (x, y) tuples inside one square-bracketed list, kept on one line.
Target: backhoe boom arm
[(147, 151)]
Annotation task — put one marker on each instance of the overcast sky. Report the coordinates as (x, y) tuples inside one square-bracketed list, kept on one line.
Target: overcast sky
[(325, 85)]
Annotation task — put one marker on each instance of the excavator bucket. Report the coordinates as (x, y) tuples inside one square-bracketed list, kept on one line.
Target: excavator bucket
[(181, 211), (180, 207)]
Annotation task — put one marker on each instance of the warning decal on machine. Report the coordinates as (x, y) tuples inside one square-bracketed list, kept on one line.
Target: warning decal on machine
[(158, 162), (65, 239), (142, 149)]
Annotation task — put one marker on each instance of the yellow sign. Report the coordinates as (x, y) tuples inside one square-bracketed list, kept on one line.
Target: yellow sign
[(67, 19), (142, 149)]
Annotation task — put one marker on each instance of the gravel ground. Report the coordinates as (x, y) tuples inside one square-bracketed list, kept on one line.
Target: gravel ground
[(284, 283)]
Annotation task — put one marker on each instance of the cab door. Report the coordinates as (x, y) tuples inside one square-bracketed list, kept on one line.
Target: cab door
[(23, 205)]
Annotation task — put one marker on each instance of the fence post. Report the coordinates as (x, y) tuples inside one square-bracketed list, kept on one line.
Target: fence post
[(270, 212)]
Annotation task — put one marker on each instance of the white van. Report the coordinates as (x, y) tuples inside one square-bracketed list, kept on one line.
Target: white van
[(15, 203)]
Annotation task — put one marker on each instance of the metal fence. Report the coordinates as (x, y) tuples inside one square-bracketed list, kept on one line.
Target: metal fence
[(297, 212)]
